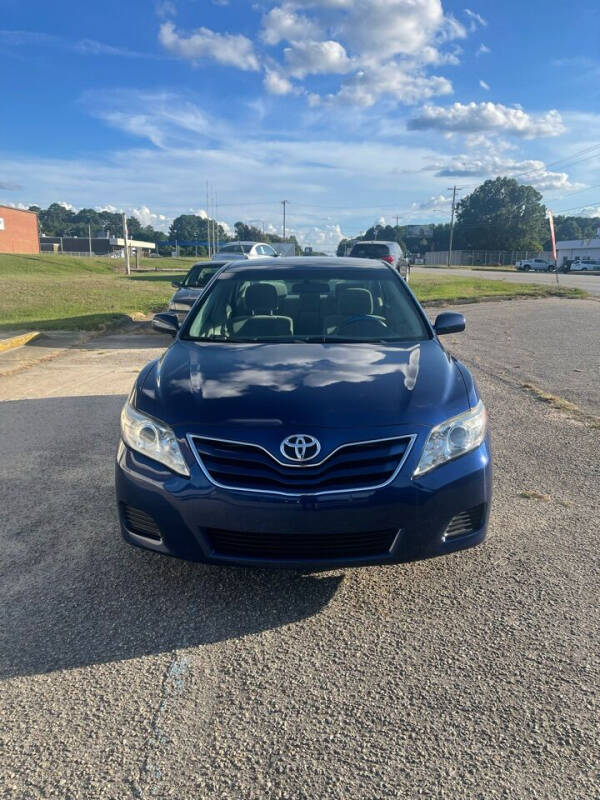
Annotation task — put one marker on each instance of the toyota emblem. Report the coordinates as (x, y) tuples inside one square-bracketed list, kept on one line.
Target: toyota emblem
[(300, 447)]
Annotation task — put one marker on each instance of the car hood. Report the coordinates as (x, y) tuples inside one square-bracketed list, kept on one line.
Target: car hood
[(302, 386), (187, 296)]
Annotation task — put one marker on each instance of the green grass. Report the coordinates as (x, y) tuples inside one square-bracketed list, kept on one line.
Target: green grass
[(430, 288), (65, 293)]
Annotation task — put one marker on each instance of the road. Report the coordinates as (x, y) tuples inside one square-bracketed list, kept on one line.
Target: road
[(129, 675), (591, 283)]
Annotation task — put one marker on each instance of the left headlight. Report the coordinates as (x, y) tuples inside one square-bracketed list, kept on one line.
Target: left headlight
[(152, 438), (453, 438)]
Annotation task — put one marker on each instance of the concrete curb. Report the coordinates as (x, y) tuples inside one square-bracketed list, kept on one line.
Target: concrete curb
[(18, 341)]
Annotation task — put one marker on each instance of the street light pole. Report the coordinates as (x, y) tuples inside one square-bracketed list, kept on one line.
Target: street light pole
[(284, 203), (126, 243), (454, 190)]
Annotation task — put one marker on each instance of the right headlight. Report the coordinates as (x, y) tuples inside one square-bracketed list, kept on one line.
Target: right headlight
[(453, 438), (179, 307), (152, 438)]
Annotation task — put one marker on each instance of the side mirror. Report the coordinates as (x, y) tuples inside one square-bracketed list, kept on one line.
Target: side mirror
[(176, 284), (166, 322), (449, 322)]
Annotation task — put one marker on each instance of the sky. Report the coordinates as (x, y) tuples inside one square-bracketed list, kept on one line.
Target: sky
[(354, 111)]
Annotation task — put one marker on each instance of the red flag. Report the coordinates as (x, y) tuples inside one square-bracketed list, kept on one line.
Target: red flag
[(552, 236)]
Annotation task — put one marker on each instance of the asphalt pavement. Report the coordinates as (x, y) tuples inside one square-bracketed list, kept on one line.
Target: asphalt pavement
[(590, 283), (125, 674)]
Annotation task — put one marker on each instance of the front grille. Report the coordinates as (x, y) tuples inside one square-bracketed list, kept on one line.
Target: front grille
[(466, 522), (139, 522), (300, 546), (355, 466)]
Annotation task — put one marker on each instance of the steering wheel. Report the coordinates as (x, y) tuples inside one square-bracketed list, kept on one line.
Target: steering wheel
[(369, 318)]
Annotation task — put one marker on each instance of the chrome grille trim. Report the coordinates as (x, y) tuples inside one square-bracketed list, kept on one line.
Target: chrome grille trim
[(410, 442)]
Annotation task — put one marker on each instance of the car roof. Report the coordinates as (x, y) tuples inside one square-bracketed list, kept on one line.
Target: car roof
[(373, 241), (226, 244), (290, 262)]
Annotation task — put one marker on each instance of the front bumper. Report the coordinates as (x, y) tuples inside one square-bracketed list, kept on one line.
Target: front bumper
[(188, 510)]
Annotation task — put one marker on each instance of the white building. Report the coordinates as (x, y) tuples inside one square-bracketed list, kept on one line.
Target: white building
[(577, 248)]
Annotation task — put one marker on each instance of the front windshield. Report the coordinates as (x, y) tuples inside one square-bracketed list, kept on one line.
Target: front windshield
[(310, 304)]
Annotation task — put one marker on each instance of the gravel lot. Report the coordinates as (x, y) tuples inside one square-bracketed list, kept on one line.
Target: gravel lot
[(129, 675)]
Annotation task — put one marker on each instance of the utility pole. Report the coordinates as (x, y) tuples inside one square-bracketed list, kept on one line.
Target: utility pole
[(90, 238), (454, 190), (216, 223), (207, 225), (284, 203), (126, 243)]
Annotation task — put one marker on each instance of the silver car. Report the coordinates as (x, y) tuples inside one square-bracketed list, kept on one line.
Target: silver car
[(235, 250)]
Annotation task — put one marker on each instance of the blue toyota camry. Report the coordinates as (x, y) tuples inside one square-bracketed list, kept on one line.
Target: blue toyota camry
[(306, 415)]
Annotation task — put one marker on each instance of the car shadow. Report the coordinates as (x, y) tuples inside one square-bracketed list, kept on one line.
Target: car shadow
[(72, 593)]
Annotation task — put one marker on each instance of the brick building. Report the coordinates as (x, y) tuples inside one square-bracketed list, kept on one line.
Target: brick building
[(18, 231)]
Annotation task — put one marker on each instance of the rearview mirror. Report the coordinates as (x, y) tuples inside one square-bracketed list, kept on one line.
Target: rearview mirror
[(176, 284), (449, 322), (166, 322)]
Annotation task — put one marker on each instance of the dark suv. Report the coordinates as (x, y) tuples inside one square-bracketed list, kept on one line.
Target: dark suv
[(390, 252)]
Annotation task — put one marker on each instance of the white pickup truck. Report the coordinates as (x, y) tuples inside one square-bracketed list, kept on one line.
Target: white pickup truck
[(535, 265)]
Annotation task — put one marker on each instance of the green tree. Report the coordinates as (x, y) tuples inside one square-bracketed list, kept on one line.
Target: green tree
[(501, 214), (191, 228)]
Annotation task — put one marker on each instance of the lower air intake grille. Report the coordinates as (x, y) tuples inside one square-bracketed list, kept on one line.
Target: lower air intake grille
[(299, 546), (141, 523), (465, 523)]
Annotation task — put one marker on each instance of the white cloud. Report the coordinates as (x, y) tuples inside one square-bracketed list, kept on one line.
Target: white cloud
[(165, 8), (276, 83), (66, 205), (475, 19), (365, 87), (436, 206), (387, 45), (588, 211), (282, 23), (324, 238), (84, 47), (147, 217), (487, 165), (230, 49), (396, 27), (484, 85), (482, 50), (316, 58), (474, 117)]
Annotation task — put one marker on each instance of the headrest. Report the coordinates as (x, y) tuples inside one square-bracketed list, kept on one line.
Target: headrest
[(310, 287), (261, 297), (355, 301), (263, 325), (310, 302)]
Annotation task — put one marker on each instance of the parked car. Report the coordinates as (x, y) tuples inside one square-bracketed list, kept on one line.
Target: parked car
[(236, 250), (535, 265), (390, 252), (319, 426), (192, 286), (580, 264)]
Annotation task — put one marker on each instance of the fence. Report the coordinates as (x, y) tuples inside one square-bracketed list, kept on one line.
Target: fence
[(482, 258)]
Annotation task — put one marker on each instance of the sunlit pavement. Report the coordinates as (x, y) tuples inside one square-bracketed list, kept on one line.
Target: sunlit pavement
[(130, 675)]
